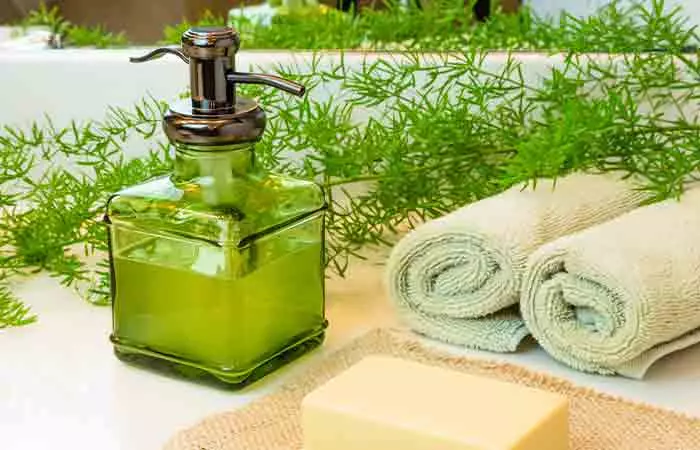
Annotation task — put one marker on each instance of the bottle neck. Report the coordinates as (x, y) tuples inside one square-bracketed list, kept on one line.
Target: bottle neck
[(213, 163), (216, 175)]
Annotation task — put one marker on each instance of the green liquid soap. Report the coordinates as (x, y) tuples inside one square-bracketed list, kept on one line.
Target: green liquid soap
[(228, 324), (225, 292)]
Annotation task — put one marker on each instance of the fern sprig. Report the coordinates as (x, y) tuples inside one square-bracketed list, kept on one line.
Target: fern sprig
[(437, 132)]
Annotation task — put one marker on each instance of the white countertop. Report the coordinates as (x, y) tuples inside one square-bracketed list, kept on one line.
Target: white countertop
[(62, 388)]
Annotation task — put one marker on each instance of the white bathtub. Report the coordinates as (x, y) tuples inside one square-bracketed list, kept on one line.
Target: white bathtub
[(81, 83)]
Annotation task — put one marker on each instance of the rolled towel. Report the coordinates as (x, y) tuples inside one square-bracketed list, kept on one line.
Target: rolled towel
[(616, 297), (458, 278)]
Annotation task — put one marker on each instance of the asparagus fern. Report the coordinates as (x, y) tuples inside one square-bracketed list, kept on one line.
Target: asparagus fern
[(444, 130)]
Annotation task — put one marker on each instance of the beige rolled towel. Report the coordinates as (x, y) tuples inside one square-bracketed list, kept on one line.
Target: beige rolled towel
[(616, 297), (458, 278)]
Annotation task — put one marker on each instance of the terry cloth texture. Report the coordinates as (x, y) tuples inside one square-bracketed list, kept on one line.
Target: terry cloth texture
[(616, 297), (458, 278)]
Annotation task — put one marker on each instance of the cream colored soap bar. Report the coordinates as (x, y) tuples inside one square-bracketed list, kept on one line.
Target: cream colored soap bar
[(385, 403)]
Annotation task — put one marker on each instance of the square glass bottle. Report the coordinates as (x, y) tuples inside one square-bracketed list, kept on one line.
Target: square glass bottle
[(217, 269)]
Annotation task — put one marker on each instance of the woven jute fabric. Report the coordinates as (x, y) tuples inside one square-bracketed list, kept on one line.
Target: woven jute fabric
[(598, 421)]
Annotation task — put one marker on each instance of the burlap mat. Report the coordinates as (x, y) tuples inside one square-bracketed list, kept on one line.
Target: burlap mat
[(598, 421)]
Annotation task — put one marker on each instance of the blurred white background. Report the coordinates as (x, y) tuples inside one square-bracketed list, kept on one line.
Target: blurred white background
[(586, 7)]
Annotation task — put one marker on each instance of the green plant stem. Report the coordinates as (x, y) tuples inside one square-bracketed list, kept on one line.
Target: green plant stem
[(13, 312)]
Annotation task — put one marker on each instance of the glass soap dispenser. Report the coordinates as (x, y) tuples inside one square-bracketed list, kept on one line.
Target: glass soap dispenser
[(217, 269)]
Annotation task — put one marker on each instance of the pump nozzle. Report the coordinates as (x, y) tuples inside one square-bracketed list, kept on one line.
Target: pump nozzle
[(269, 80), (214, 114), (210, 53), (159, 52)]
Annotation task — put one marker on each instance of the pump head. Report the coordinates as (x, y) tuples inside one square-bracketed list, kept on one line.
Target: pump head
[(215, 115)]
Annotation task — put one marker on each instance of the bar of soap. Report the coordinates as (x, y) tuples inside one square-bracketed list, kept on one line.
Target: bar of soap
[(386, 403)]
